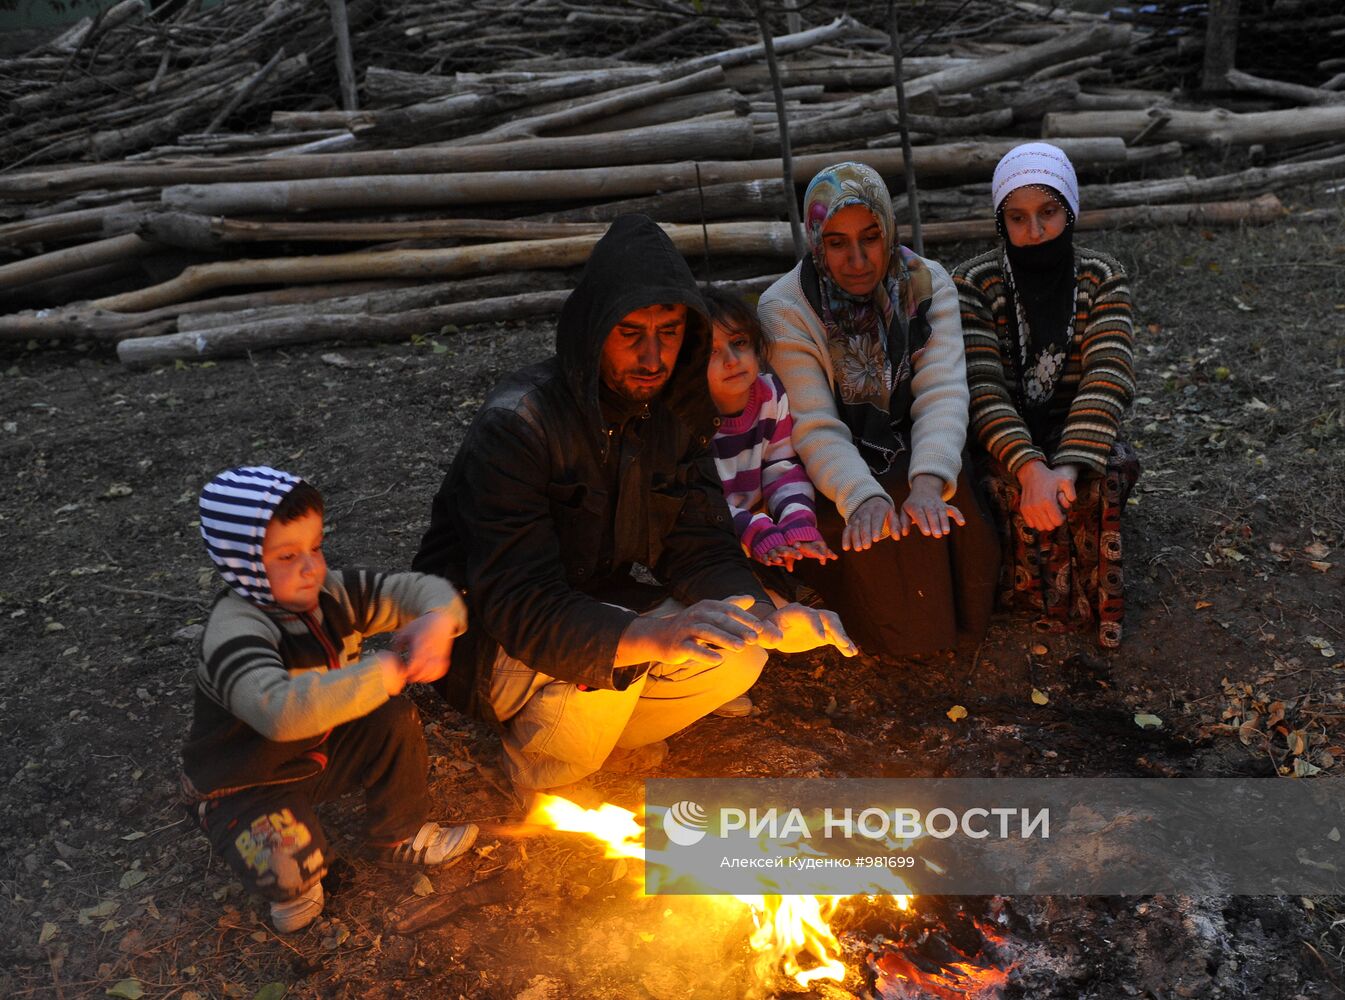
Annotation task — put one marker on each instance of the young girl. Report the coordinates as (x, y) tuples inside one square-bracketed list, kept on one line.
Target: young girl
[(768, 491)]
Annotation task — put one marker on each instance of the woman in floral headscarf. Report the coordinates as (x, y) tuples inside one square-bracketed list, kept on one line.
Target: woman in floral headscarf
[(866, 338), (1049, 339)]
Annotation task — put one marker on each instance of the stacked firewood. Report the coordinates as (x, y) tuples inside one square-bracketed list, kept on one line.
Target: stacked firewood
[(462, 186)]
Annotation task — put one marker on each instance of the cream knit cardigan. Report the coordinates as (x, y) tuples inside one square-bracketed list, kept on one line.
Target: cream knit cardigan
[(799, 355)]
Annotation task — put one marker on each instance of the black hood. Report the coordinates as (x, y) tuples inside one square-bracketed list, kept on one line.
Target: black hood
[(634, 265)]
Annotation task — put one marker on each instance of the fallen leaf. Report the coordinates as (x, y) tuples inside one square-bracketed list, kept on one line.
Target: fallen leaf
[(340, 935), (423, 886), (957, 713), (133, 878), (1316, 551), (1202, 605), (103, 910), (272, 991), (1232, 555), (260, 937), (127, 989), (1040, 697), (117, 490), (1038, 649), (1302, 769), (134, 836), (1334, 835), (49, 931), (1320, 567), (646, 937), (1146, 721)]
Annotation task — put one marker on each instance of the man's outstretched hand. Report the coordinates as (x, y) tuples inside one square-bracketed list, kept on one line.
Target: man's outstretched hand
[(695, 634), (802, 628)]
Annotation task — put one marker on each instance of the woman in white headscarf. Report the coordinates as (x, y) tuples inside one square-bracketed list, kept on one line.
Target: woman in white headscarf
[(866, 339), (1049, 334)]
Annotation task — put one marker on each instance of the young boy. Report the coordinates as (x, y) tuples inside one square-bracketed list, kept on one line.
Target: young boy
[(752, 449), (287, 713)]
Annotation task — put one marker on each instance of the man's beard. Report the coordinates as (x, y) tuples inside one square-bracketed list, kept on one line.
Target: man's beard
[(641, 392)]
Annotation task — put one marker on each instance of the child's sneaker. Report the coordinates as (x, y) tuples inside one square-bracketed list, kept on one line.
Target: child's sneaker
[(432, 845), (297, 913)]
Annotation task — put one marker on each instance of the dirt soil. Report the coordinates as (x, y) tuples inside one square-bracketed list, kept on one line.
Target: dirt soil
[(1235, 564)]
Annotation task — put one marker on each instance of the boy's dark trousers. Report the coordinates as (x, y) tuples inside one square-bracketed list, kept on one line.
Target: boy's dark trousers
[(270, 836)]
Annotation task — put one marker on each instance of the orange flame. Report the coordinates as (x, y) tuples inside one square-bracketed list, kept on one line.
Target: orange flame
[(618, 829)]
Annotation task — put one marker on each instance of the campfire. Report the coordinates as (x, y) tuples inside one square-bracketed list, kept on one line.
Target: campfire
[(881, 942)]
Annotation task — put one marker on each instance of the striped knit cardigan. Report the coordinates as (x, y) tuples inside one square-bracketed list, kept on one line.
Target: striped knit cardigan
[(1099, 379)]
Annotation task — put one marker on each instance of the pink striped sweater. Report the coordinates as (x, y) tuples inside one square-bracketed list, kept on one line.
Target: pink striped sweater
[(758, 467)]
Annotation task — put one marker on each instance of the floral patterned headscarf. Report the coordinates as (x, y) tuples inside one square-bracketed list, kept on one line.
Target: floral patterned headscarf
[(872, 339)]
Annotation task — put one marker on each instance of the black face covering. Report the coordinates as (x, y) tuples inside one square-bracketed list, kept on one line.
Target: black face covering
[(1043, 280)]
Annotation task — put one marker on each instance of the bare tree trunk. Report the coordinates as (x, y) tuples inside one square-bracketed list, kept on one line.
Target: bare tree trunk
[(235, 340), (257, 78), (912, 192), (86, 255), (1293, 92), (1216, 127), (1221, 43), (345, 64), (786, 153), (733, 238)]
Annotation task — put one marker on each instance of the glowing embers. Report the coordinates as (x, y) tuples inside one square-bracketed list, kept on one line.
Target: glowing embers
[(937, 951)]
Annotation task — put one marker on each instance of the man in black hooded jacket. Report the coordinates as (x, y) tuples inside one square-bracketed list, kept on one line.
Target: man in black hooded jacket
[(574, 471)]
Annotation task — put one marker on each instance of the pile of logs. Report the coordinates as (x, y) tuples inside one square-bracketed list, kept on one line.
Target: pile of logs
[(461, 193)]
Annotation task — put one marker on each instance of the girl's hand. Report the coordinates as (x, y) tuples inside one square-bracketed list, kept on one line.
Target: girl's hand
[(782, 555), (818, 550)]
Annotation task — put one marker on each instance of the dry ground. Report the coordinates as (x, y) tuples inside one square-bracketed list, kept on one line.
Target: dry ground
[(1235, 566)]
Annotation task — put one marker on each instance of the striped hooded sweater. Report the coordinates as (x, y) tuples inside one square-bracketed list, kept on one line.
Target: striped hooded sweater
[(271, 684), (755, 459), (1099, 380)]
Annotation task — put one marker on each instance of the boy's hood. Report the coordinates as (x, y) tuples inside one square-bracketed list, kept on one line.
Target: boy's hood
[(634, 265), (235, 507)]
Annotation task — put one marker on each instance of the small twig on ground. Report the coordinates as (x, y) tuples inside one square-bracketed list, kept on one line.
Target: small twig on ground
[(150, 593), (56, 977), (371, 496)]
